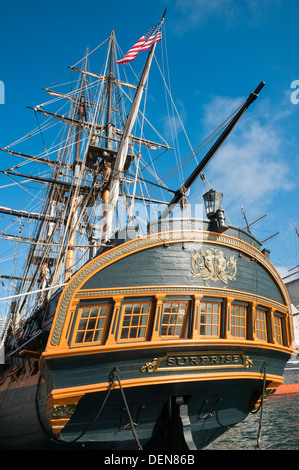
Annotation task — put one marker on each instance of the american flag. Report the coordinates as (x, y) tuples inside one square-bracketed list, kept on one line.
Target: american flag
[(145, 42)]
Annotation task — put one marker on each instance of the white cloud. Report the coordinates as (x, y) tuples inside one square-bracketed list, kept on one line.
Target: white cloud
[(196, 12), (173, 122), (251, 167)]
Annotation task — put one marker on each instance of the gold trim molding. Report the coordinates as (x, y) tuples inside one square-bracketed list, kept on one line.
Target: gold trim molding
[(191, 290), (133, 246), (195, 361)]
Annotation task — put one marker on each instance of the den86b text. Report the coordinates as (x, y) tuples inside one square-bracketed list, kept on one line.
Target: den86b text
[(171, 459), (150, 459)]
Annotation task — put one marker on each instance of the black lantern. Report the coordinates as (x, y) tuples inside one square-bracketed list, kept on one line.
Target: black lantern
[(212, 200), (215, 213)]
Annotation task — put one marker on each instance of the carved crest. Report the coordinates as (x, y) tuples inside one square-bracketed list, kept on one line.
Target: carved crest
[(213, 266)]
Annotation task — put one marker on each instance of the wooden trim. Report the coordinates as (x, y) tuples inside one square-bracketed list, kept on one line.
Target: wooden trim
[(73, 344), (164, 290), (73, 394), (183, 325), (121, 319), (148, 345), (196, 317), (134, 246), (57, 425), (158, 317), (55, 399), (112, 335)]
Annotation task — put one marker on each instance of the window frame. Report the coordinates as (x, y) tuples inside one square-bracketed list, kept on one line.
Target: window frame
[(78, 317), (183, 325), (264, 321), (278, 316), (232, 326), (219, 303), (147, 326)]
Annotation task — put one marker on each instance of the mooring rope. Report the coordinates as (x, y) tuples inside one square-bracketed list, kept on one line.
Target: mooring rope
[(261, 407), (113, 377), (128, 411)]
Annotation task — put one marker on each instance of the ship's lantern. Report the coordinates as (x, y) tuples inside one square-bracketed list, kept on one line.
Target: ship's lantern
[(212, 200)]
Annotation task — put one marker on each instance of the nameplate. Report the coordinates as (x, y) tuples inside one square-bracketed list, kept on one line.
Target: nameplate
[(195, 361)]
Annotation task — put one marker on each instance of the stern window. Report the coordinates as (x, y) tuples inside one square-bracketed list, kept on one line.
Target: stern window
[(238, 321), (173, 318), (210, 319), (91, 323), (260, 325), (278, 329), (135, 320)]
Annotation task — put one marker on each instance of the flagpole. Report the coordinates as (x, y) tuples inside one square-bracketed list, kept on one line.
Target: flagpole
[(123, 146)]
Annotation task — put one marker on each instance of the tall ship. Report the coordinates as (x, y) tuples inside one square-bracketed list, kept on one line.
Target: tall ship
[(134, 323)]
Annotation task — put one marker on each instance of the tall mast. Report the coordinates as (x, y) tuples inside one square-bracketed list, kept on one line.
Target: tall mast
[(107, 168), (123, 148), (76, 176)]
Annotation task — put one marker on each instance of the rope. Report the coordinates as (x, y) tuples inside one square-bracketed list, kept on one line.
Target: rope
[(89, 425), (113, 377), (128, 411), (33, 292), (261, 407)]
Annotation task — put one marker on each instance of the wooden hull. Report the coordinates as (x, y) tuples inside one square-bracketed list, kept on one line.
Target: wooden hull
[(186, 408), (211, 399), (192, 321)]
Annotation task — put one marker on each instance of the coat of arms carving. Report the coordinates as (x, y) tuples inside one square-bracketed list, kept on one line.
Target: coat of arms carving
[(213, 266)]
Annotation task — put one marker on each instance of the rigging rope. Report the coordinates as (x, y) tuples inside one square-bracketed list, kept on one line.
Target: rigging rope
[(33, 292), (208, 140)]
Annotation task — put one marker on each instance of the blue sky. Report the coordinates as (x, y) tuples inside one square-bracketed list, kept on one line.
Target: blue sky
[(218, 52)]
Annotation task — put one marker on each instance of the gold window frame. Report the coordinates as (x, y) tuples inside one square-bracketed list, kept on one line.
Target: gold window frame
[(172, 317), (91, 324), (210, 324), (129, 323), (261, 321), (278, 331), (236, 320)]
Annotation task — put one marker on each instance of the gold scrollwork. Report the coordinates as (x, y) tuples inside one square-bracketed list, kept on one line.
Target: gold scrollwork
[(151, 366), (246, 361), (213, 266), (197, 361)]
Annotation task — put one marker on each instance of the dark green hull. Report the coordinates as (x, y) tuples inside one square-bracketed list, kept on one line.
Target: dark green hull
[(195, 323), (177, 414)]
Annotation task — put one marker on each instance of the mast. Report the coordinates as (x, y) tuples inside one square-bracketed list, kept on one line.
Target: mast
[(76, 180), (77, 183), (181, 192), (121, 155), (107, 165)]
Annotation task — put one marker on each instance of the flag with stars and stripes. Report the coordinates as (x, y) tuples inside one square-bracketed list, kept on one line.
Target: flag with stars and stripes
[(145, 42)]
